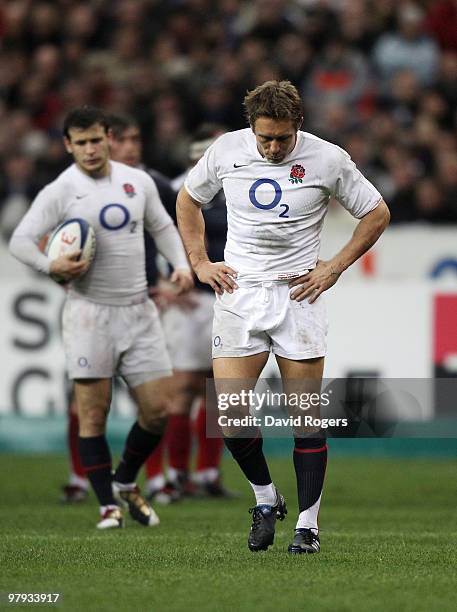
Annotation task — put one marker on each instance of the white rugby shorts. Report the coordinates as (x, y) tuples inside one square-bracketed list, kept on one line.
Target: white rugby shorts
[(260, 316), (102, 341), (188, 333)]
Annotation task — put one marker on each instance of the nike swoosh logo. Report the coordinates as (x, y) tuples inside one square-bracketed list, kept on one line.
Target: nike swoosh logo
[(82, 196), (240, 165)]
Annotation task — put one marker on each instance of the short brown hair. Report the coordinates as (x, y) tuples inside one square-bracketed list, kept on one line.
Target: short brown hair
[(118, 124), (275, 100), (83, 118)]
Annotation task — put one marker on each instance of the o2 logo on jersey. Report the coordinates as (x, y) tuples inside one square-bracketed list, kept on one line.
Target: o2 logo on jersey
[(115, 217), (276, 198)]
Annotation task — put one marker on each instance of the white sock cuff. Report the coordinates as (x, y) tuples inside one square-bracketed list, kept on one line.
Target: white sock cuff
[(206, 476), (124, 486), (78, 481), (264, 494), (308, 518), (155, 483)]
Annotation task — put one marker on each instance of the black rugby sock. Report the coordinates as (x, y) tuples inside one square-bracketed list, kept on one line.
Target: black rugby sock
[(248, 453), (96, 460), (138, 446), (310, 461)]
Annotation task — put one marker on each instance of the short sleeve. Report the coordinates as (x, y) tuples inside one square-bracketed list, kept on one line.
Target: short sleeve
[(354, 192), (202, 182)]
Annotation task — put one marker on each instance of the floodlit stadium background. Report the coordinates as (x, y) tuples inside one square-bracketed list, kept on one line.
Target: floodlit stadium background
[(377, 78)]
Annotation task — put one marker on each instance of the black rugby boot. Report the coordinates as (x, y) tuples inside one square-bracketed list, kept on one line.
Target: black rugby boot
[(264, 517), (305, 542)]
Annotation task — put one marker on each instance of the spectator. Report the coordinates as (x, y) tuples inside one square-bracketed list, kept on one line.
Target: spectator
[(447, 80), (271, 21), (430, 203), (174, 64), (357, 26), (339, 77), (294, 56), (407, 48), (402, 99)]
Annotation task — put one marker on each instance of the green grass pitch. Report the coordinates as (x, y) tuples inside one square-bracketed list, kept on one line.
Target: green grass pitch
[(388, 534)]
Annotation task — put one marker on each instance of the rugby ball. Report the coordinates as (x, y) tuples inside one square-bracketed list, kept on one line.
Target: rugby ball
[(71, 236)]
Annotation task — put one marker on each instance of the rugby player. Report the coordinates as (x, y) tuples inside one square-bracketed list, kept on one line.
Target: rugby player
[(126, 147), (110, 327), (277, 182)]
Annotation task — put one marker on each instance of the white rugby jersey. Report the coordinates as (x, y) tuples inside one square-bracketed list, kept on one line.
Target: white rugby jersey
[(118, 207), (275, 212)]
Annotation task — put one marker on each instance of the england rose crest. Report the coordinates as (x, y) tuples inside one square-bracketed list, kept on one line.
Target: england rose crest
[(129, 190), (297, 172)]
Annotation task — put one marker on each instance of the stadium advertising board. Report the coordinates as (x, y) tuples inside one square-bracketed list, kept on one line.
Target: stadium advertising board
[(401, 318)]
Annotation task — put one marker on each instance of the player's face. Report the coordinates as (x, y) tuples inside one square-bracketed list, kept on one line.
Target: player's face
[(275, 138), (126, 148), (90, 149)]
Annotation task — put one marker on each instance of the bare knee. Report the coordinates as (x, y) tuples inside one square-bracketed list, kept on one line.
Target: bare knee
[(152, 399), (152, 413), (92, 420), (153, 423)]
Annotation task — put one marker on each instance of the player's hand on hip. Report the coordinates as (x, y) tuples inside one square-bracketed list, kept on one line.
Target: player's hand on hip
[(218, 275), (182, 279), (68, 267), (313, 283)]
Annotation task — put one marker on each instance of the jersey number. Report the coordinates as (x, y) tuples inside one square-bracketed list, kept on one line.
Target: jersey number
[(284, 214), (275, 201)]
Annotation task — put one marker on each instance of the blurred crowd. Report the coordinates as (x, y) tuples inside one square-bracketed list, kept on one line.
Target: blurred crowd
[(377, 78)]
